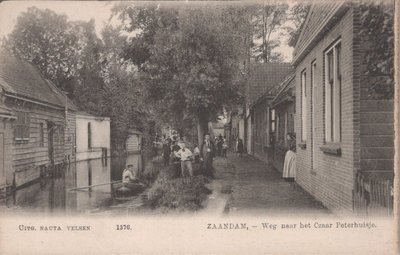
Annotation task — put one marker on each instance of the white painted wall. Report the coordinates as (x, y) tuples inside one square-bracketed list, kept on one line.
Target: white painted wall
[(100, 128)]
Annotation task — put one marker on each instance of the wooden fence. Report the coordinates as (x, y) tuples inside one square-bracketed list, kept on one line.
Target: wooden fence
[(373, 196)]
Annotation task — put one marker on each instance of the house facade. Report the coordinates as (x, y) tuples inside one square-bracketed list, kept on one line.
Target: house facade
[(283, 112), (263, 78), (92, 136), (345, 138), (37, 139)]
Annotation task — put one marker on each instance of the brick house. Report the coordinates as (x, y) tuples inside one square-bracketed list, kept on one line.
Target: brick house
[(37, 138), (282, 122), (345, 138), (263, 78)]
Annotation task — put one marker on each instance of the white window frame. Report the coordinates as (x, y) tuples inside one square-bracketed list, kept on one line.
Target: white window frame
[(332, 102), (304, 105)]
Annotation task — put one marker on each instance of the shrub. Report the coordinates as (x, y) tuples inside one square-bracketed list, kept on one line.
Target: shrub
[(178, 194)]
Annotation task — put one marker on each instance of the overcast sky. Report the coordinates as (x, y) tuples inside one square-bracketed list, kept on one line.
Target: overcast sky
[(79, 10)]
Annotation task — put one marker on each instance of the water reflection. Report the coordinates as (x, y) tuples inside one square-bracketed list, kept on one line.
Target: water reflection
[(53, 195)]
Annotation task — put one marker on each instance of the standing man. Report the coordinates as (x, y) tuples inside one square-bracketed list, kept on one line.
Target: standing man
[(166, 151), (186, 157), (207, 152)]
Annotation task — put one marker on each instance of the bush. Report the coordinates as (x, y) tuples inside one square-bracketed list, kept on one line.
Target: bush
[(178, 194), (152, 170)]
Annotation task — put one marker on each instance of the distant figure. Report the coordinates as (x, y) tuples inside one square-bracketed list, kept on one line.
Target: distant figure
[(289, 166), (207, 152), (224, 147), (240, 148), (175, 148), (196, 153), (186, 157), (219, 143), (166, 151)]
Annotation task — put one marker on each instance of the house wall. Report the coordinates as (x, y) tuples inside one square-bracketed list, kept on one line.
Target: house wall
[(249, 135), (100, 131), (328, 177), (219, 131), (6, 176), (70, 137), (281, 142), (260, 135), (28, 157), (133, 143)]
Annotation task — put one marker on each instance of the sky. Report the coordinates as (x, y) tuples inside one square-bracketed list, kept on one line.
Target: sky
[(100, 11)]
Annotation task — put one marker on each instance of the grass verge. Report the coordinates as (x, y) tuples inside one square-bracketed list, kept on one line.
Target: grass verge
[(180, 194)]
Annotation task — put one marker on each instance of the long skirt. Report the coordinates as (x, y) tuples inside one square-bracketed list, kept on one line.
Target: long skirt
[(289, 167)]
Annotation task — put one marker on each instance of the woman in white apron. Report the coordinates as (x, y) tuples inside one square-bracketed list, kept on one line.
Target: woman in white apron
[(289, 167)]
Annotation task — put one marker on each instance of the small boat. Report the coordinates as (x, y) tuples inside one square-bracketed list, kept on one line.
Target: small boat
[(126, 191)]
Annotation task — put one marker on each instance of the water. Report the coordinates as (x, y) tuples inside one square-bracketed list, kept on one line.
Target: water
[(53, 195)]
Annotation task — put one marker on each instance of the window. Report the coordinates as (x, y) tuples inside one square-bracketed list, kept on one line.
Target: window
[(285, 128), (277, 128), (272, 120), (41, 135), (333, 93), (22, 126), (303, 106), (89, 135)]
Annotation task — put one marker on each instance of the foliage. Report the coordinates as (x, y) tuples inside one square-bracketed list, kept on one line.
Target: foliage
[(178, 194), (192, 70), (45, 39), (266, 20), (298, 14), (92, 70), (378, 38)]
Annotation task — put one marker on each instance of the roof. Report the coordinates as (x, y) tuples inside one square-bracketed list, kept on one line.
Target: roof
[(61, 96), (320, 18), (263, 77), (18, 77), (283, 92), (134, 132), (85, 115)]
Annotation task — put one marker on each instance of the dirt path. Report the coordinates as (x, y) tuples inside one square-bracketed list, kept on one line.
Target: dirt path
[(249, 186)]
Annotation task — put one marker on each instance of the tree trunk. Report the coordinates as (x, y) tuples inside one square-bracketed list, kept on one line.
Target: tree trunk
[(202, 125)]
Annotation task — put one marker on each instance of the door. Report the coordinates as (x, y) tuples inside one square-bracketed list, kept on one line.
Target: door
[(2, 168), (50, 141)]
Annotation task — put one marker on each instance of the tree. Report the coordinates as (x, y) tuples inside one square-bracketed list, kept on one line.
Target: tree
[(44, 39), (122, 94), (298, 14), (193, 66), (376, 29), (267, 19)]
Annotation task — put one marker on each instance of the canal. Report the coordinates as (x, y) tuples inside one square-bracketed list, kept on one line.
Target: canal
[(53, 195)]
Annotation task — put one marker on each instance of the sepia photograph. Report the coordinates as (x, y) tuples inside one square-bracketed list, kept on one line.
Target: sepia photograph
[(251, 123)]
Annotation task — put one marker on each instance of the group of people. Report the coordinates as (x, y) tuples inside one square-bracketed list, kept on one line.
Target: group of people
[(222, 146), (177, 151)]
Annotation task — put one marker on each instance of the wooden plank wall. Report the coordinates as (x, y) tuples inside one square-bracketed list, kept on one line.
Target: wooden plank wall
[(28, 156)]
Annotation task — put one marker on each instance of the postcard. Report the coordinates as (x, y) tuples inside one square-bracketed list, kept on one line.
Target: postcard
[(191, 127)]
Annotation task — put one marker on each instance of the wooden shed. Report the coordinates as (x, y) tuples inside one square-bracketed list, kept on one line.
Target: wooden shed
[(133, 142), (38, 130)]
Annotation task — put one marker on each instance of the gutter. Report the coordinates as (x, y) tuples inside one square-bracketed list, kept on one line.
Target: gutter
[(7, 94)]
